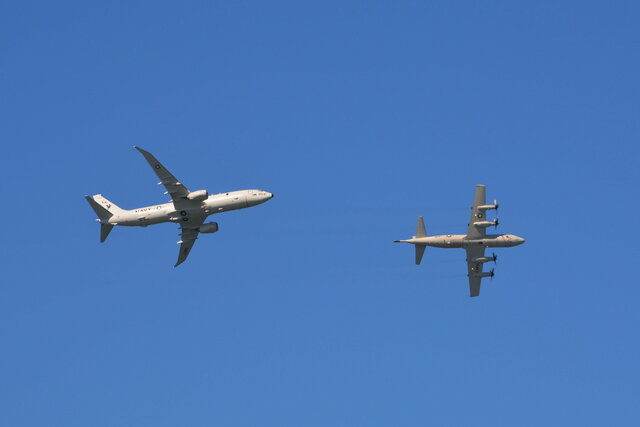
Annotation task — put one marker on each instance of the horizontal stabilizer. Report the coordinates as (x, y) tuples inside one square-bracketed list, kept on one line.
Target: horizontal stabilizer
[(419, 253), (105, 229), (420, 230)]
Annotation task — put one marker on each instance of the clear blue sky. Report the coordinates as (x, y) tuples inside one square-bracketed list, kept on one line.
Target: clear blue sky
[(359, 116)]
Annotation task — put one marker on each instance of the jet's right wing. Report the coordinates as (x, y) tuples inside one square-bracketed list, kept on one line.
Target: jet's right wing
[(474, 268), (477, 214), (175, 189), (189, 235)]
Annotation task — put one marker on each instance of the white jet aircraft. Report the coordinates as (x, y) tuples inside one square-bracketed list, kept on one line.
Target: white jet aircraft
[(475, 241), (187, 208)]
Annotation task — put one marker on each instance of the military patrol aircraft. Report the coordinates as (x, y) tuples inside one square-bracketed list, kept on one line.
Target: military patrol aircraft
[(475, 241), (187, 208)]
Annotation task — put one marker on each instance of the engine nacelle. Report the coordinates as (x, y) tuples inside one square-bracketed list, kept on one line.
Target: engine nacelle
[(485, 224), (487, 274), (494, 206), (198, 196), (487, 207), (210, 227)]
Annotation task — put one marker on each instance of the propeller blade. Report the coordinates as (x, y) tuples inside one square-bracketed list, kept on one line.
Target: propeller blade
[(495, 257), (496, 221), (492, 273), (495, 202)]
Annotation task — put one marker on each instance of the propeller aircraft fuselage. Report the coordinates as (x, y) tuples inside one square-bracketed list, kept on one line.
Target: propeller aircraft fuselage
[(461, 241)]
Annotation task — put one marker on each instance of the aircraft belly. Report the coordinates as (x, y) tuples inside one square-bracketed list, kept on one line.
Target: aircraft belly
[(485, 243), (158, 219), (447, 243)]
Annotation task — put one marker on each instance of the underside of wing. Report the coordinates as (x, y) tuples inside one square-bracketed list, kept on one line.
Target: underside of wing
[(474, 269), (477, 215), (187, 242), (474, 286), (188, 238), (175, 189)]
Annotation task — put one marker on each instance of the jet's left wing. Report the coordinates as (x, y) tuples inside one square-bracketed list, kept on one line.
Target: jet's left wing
[(474, 268), (189, 236), (175, 189)]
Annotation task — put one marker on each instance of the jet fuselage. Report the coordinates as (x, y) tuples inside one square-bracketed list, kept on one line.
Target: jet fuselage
[(167, 212)]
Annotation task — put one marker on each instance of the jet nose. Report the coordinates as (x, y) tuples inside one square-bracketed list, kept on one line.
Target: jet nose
[(521, 240), (271, 195)]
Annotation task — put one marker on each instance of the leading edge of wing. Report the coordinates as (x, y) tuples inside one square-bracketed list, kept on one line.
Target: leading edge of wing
[(174, 188)]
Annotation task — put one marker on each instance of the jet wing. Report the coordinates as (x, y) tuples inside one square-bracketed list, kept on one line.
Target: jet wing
[(175, 189), (473, 268), (477, 214), (189, 236)]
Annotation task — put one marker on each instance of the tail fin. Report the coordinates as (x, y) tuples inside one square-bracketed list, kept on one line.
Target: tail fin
[(420, 230), (105, 210)]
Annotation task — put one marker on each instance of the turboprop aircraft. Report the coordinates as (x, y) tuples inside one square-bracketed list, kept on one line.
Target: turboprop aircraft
[(474, 242), (189, 209)]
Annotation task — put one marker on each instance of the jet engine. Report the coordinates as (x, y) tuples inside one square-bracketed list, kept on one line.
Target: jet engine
[(198, 196), (210, 227)]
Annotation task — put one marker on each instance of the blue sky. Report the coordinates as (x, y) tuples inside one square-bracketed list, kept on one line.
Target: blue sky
[(359, 116)]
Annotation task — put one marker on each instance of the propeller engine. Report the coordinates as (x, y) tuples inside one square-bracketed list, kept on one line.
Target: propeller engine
[(490, 273), (494, 206), (494, 257)]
